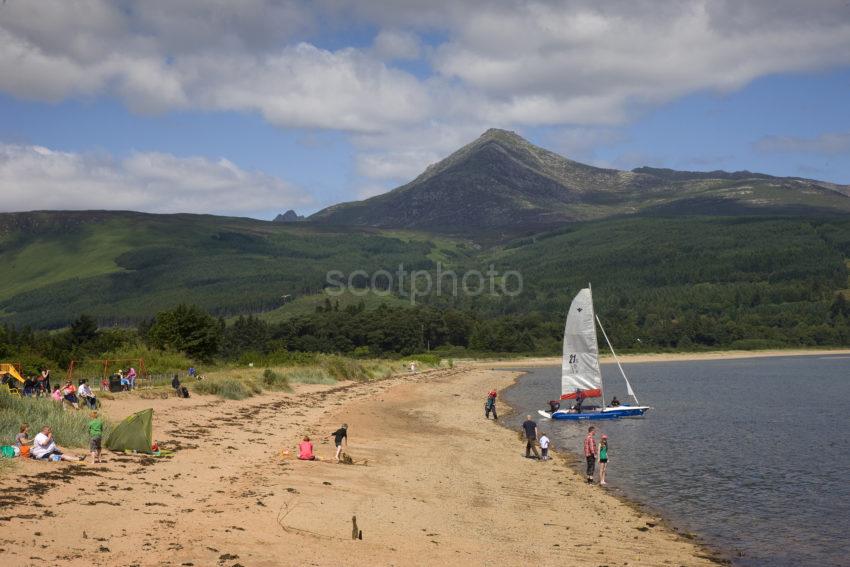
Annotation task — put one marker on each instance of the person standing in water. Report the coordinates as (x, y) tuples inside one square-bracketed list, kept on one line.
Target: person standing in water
[(490, 405), (590, 452), (603, 459), (530, 429), (340, 436)]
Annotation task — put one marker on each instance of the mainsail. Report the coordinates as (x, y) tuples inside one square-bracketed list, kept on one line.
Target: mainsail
[(580, 368)]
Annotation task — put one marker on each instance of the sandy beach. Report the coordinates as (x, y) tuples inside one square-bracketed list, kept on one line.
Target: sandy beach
[(433, 484)]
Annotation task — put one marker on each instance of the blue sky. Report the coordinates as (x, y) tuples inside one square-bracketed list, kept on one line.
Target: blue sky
[(302, 105)]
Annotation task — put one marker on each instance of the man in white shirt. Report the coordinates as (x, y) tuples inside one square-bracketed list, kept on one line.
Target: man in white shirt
[(86, 393), (44, 447)]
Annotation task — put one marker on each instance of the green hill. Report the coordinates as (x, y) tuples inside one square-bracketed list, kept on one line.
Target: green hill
[(123, 267), (715, 280)]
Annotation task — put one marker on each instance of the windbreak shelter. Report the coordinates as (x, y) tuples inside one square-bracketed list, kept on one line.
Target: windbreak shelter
[(135, 433)]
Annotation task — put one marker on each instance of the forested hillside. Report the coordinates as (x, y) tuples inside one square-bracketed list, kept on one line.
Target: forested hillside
[(659, 283)]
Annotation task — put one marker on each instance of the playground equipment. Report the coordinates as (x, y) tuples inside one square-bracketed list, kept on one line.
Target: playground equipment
[(110, 367), (14, 370)]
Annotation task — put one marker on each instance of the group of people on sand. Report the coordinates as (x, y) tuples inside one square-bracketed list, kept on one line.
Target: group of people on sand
[(305, 448), (43, 446), (593, 452)]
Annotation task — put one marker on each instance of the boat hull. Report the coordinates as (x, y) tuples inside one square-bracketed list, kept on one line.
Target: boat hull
[(608, 413)]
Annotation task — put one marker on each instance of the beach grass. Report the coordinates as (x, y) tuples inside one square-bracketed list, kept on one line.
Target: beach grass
[(244, 382), (70, 427)]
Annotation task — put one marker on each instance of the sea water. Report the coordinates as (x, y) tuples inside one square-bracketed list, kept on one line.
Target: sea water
[(753, 455)]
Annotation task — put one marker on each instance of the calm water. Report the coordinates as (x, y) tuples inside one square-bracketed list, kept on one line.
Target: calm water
[(751, 454)]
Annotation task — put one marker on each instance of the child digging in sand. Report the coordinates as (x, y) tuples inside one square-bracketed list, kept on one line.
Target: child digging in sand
[(305, 450), (95, 436)]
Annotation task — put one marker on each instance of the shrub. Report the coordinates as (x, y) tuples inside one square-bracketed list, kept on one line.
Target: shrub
[(429, 359), (310, 376), (229, 388), (345, 369), (276, 381)]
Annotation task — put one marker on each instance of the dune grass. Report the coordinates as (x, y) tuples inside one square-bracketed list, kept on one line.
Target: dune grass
[(70, 427), (244, 382)]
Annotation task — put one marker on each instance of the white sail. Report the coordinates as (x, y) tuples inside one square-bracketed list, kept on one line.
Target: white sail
[(580, 368)]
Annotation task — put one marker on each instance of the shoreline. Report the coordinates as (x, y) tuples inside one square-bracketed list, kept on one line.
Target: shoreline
[(633, 358), (433, 484), (573, 460)]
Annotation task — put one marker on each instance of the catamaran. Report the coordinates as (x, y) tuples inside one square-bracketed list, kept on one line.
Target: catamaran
[(581, 377)]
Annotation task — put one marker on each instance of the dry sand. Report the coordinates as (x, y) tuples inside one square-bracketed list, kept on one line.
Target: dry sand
[(434, 484)]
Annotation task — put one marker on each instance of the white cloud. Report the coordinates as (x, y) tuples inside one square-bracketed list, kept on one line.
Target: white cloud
[(394, 44), (579, 65), (828, 143), (35, 177)]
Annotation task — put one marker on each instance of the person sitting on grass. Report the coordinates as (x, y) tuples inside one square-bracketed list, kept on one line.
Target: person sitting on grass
[(44, 447), (305, 450), (57, 396), (69, 394), (23, 437), (29, 386), (86, 393)]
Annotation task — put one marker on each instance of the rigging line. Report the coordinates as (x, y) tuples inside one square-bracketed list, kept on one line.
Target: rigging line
[(620, 366)]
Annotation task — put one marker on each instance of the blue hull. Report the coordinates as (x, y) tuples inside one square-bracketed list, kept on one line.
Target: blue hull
[(609, 414)]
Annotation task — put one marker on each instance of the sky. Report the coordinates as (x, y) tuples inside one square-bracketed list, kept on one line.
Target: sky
[(253, 107)]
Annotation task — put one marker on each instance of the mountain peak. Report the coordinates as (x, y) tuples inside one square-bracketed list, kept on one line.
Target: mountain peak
[(502, 181)]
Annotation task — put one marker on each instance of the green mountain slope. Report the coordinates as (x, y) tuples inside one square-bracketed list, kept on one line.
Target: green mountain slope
[(123, 267), (501, 182), (716, 280)]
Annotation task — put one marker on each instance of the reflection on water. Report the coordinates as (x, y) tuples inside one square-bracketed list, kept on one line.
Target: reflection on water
[(752, 454)]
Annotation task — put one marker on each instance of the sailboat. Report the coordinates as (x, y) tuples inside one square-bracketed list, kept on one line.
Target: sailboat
[(580, 374)]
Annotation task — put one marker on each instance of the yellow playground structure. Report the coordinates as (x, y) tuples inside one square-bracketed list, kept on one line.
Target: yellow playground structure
[(13, 371)]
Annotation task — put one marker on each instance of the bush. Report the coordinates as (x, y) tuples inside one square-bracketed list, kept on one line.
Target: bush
[(756, 344), (69, 427), (229, 388), (276, 381), (310, 376), (345, 369), (429, 359)]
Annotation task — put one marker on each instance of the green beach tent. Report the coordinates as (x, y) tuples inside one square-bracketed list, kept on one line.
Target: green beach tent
[(135, 433)]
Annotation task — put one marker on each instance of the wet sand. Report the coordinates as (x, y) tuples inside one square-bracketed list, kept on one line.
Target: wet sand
[(433, 484)]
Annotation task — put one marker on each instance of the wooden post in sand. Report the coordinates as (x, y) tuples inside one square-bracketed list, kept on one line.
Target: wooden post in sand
[(354, 530)]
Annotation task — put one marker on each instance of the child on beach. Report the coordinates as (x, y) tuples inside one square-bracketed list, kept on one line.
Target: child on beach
[(339, 436), (603, 459), (22, 439), (490, 405), (305, 450), (544, 448), (95, 436)]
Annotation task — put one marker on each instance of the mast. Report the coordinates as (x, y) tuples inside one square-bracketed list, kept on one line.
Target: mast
[(620, 366), (596, 340)]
